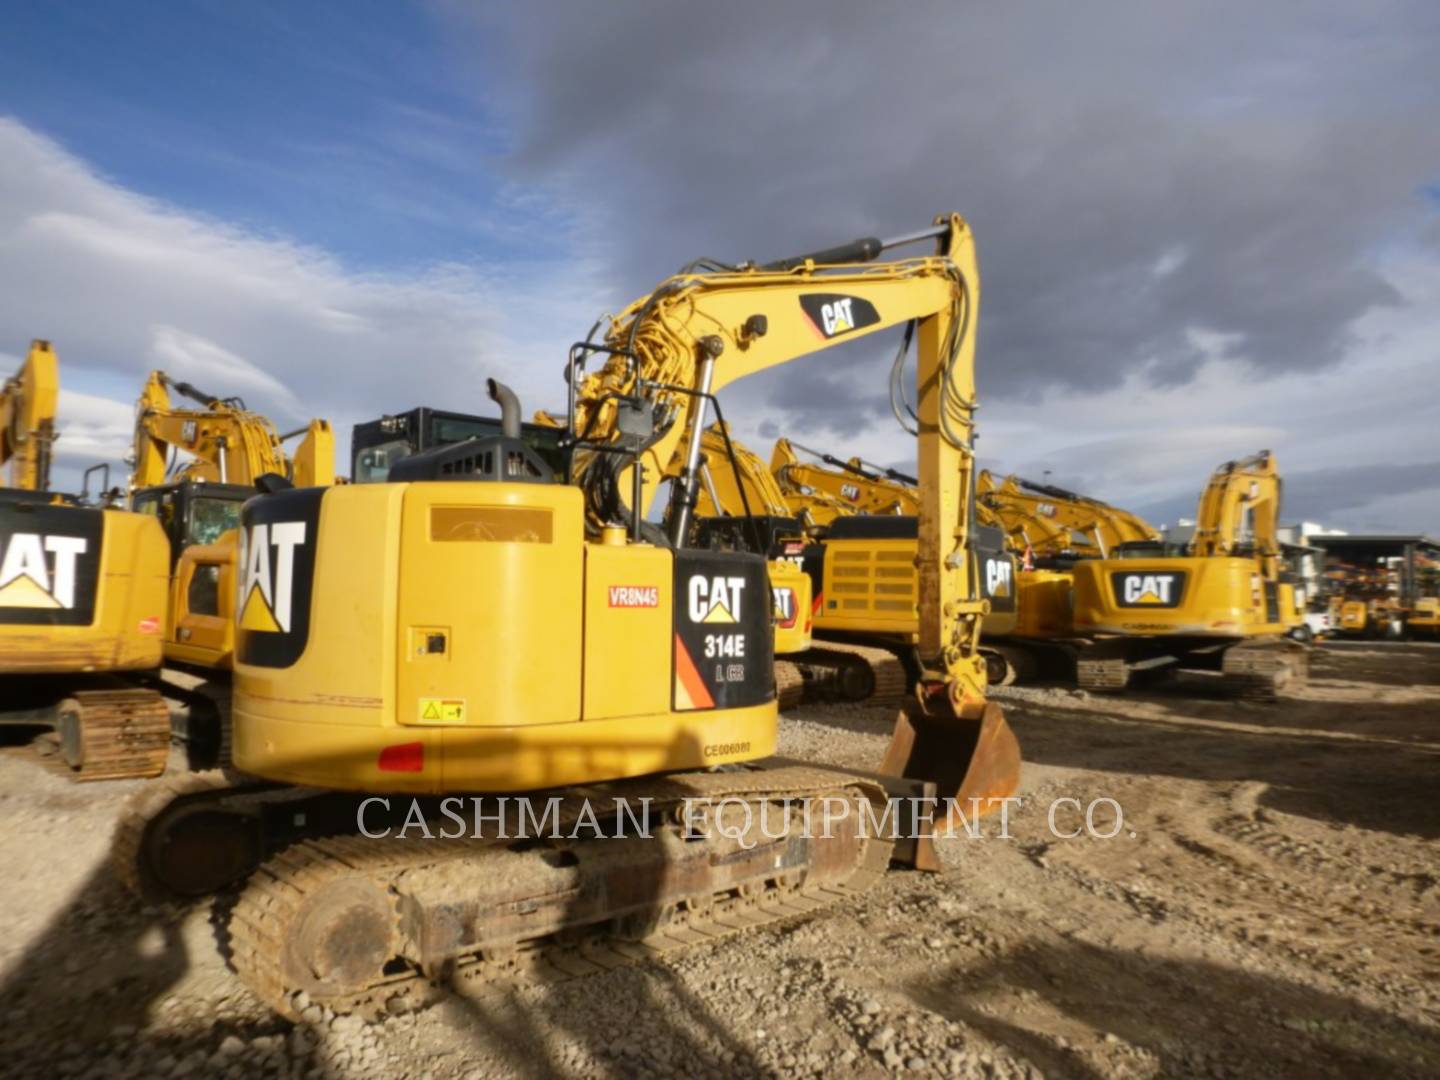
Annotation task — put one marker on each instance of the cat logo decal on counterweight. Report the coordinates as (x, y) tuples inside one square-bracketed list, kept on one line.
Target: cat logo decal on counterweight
[(786, 610), (833, 314), (1148, 589), (275, 576), (39, 571), (715, 599), (999, 577), (267, 582), (723, 631), (49, 564)]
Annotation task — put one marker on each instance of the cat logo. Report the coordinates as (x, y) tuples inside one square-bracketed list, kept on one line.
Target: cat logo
[(267, 559), (1046, 509), (39, 571), (785, 606), (836, 318), (833, 314), (998, 577), (715, 599), (850, 491), (1157, 590)]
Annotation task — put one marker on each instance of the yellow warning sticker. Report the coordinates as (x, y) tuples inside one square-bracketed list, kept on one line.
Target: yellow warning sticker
[(436, 710)]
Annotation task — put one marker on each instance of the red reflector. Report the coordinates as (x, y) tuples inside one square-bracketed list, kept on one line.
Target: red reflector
[(407, 757)]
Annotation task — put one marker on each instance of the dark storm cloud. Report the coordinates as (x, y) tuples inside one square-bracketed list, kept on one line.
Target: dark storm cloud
[(1337, 496), (1132, 173), (1310, 494)]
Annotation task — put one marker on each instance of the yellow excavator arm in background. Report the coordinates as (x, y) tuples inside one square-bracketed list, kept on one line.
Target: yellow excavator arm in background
[(721, 489), (29, 400), (846, 487), (1053, 521), (228, 443), (1240, 506), (669, 352)]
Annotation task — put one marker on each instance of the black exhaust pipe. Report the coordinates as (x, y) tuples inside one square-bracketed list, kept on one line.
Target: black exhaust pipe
[(509, 404)]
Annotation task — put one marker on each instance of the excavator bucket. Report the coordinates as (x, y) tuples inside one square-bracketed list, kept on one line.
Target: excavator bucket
[(969, 754)]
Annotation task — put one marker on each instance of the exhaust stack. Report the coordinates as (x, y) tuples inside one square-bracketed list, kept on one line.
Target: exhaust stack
[(509, 407)]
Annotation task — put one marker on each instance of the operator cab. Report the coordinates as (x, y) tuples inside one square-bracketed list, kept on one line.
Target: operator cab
[(377, 446), (192, 513)]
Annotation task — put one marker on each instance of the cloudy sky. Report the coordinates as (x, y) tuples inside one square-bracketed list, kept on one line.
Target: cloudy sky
[(1204, 229)]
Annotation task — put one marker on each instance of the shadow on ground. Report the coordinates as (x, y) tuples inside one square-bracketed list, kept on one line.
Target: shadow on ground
[(1173, 1009)]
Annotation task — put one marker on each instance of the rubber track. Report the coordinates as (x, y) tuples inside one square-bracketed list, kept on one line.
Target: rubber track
[(278, 890)]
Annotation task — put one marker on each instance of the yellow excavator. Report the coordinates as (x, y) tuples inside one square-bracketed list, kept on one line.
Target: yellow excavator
[(863, 577), (741, 507), (193, 469), (82, 601), (194, 465), (1225, 604), (861, 561), (846, 487), (477, 623), (1050, 528), (1052, 522), (29, 401)]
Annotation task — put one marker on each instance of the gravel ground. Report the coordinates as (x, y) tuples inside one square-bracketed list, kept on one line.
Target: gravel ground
[(1268, 906)]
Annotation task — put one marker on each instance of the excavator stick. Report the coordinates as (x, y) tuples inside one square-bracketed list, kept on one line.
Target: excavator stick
[(969, 753)]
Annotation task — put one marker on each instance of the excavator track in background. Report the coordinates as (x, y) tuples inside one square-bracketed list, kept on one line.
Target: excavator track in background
[(1101, 667), (110, 735), (1265, 669), (842, 671), (789, 685), (204, 725), (373, 926)]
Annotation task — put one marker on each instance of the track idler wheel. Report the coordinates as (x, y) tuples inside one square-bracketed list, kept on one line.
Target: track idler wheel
[(176, 841)]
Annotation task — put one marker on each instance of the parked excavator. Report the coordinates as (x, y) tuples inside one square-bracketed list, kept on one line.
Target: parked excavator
[(376, 446), (863, 577), (194, 465), (82, 600), (741, 507), (848, 486), (1050, 528), (193, 469), (861, 562), (1054, 523), (471, 625), (28, 403), (1224, 605)]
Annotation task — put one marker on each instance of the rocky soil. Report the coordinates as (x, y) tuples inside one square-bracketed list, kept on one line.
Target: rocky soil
[(1267, 905)]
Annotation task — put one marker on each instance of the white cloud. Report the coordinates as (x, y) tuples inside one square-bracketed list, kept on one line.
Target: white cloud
[(1143, 442), (190, 357), (122, 283)]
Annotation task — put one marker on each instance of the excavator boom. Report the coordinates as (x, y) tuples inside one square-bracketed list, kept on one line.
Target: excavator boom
[(669, 352), (223, 441), (837, 488), (28, 403), (1053, 521)]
